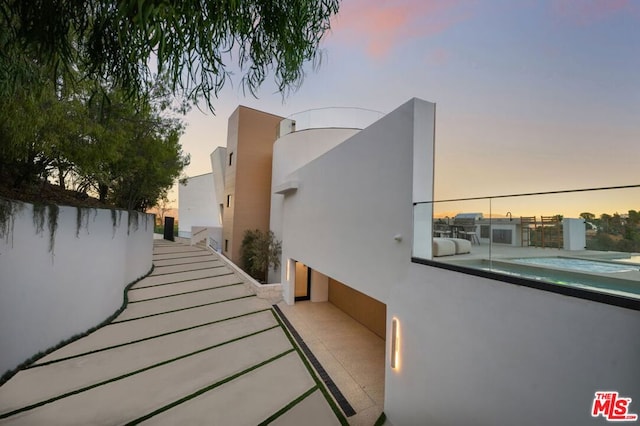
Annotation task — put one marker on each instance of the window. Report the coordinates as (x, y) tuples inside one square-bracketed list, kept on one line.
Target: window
[(230, 158), (229, 200)]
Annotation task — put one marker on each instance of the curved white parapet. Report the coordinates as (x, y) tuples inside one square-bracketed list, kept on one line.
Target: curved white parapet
[(290, 152)]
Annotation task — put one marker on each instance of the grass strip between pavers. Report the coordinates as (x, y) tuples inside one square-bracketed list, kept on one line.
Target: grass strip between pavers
[(186, 292), (183, 309), (184, 263), (182, 272), (145, 339), (319, 383), (180, 252), (381, 420), (182, 281), (29, 362), (208, 388), (196, 264), (288, 407), (340, 399), (131, 373), (183, 257)]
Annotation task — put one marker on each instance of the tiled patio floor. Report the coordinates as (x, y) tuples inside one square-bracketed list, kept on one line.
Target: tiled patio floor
[(352, 355)]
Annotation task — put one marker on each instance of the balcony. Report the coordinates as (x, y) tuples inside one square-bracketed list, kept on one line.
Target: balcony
[(330, 117), (579, 242)]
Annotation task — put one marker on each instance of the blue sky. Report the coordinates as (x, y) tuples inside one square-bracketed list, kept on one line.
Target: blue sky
[(531, 95)]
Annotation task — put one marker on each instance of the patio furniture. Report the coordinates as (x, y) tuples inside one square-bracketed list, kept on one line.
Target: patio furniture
[(551, 230), (527, 224), (441, 230), (443, 247), (462, 246), (466, 228)]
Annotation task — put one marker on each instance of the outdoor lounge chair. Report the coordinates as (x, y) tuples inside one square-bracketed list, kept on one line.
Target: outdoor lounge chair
[(467, 230)]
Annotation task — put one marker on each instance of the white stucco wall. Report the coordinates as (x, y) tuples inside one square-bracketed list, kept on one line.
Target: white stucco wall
[(353, 200), (291, 152), (472, 350), (49, 297), (483, 352), (197, 204)]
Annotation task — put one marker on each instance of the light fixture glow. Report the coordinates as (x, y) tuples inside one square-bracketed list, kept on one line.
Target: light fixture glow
[(395, 343), (288, 267)]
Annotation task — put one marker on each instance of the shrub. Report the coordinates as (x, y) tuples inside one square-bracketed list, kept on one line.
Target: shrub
[(259, 252)]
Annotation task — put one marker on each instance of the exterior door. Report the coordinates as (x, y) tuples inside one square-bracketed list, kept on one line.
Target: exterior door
[(303, 282)]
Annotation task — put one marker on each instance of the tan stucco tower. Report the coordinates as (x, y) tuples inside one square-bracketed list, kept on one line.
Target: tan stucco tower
[(247, 183)]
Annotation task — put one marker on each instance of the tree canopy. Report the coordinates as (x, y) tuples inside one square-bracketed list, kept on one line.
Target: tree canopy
[(86, 84), (126, 154), (191, 41)]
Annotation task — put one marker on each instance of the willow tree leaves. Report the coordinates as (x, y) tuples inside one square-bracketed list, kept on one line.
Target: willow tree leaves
[(192, 41)]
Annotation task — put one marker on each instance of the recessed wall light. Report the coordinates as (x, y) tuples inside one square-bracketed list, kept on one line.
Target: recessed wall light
[(395, 343)]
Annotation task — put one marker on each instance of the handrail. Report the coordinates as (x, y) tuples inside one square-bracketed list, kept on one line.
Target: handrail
[(334, 107), (199, 232), (525, 194)]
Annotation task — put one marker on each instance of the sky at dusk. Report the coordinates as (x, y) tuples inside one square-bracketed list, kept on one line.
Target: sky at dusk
[(531, 95)]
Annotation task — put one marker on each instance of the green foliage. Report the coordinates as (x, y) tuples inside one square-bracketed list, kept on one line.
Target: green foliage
[(133, 221), (52, 222), (114, 220), (193, 41), (8, 211), (48, 213), (159, 229), (125, 154), (259, 252), (82, 216), (39, 217), (247, 251), (616, 233), (588, 216)]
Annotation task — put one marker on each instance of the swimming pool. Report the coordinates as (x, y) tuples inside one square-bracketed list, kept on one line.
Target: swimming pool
[(622, 279), (583, 265)]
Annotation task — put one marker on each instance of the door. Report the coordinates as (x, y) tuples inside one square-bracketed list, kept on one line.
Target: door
[(303, 282)]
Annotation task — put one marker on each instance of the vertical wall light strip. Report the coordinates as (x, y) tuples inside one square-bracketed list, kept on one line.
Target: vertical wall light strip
[(395, 343), (288, 268)]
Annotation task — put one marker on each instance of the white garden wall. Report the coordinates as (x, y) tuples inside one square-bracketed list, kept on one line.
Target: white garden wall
[(49, 296), (484, 352)]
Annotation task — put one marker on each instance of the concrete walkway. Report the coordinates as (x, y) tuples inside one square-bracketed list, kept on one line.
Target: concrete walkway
[(193, 346)]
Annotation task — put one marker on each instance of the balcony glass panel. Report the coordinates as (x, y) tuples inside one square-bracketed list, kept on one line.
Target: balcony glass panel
[(587, 239), (331, 117)]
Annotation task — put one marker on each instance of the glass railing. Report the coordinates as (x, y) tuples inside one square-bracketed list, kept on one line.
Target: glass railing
[(587, 239), (330, 117)]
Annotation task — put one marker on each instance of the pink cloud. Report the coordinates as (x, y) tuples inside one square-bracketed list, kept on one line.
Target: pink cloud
[(382, 25), (438, 56), (585, 12)]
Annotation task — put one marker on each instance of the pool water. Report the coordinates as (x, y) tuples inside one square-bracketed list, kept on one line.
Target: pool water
[(600, 286), (582, 265)]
